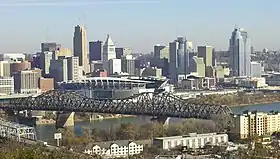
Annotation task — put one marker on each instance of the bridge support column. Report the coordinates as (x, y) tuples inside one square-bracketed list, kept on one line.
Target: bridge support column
[(65, 119), (162, 120)]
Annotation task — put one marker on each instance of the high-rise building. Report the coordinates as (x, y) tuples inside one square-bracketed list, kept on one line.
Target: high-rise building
[(96, 65), (124, 51), (73, 68), (59, 70), (197, 66), (5, 69), (46, 84), (80, 47), (173, 47), (63, 51), (239, 50), (255, 124), (95, 50), (7, 85), (115, 66), (183, 56), (20, 66), (128, 65), (206, 53), (161, 52), (45, 62), (50, 47), (26, 82), (12, 57), (256, 69), (109, 52)]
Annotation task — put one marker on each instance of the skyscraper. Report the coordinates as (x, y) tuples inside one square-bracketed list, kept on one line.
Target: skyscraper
[(123, 51), (80, 47), (109, 52), (206, 53), (239, 50), (173, 66), (183, 56), (95, 50)]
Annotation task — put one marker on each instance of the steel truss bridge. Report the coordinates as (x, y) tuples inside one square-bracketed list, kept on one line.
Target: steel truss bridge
[(16, 131), (149, 104)]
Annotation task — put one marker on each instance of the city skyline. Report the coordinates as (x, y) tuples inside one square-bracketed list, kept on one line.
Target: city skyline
[(136, 24)]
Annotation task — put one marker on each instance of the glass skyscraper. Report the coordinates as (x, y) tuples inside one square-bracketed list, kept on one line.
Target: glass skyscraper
[(239, 50)]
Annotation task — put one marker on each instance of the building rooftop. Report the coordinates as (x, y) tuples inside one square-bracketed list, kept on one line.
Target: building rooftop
[(185, 136)]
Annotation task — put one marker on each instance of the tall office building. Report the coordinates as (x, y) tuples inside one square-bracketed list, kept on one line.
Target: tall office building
[(124, 51), (5, 69), (45, 61), (173, 66), (239, 50), (80, 47), (63, 51), (115, 66), (183, 56), (161, 52), (95, 50), (59, 70), (73, 68), (26, 81), (206, 53), (7, 85), (109, 52), (50, 47), (128, 65)]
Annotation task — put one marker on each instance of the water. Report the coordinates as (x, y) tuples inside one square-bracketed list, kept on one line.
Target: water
[(45, 132)]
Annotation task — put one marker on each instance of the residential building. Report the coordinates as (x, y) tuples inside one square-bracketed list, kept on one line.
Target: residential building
[(26, 82), (45, 61), (128, 65), (206, 53), (255, 123), (73, 68), (256, 69), (7, 85), (109, 52), (115, 66), (197, 66), (120, 148), (46, 84), (95, 50), (80, 47), (192, 140), (124, 51), (239, 50), (5, 69)]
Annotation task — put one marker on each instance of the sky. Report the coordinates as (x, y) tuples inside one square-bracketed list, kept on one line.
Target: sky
[(139, 24)]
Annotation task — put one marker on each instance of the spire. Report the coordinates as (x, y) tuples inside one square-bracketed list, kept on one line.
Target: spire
[(108, 40)]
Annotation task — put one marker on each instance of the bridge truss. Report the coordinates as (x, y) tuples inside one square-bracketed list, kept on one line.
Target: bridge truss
[(16, 131), (150, 104)]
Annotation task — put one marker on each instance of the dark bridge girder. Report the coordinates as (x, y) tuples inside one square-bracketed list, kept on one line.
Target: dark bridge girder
[(162, 104)]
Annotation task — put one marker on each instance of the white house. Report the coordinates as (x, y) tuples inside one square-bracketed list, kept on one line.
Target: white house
[(191, 140), (120, 148)]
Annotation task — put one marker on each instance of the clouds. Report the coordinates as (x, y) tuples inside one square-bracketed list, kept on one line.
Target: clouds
[(62, 3)]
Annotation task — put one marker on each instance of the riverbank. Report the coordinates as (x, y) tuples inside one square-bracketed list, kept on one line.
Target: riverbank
[(239, 99)]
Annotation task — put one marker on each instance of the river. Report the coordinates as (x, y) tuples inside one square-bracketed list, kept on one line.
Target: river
[(46, 132)]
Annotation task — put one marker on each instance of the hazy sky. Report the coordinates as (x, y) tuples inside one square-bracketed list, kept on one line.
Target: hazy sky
[(139, 24)]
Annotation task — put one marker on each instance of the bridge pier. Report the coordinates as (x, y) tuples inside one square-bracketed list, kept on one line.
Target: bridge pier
[(162, 120), (65, 119)]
